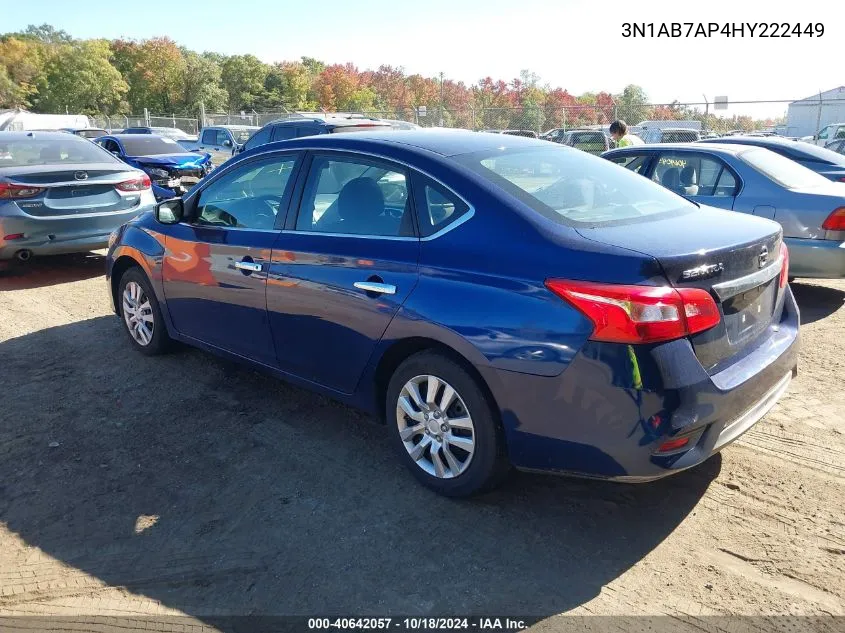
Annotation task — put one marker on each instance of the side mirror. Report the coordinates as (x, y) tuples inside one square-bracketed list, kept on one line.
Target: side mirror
[(227, 143), (170, 211)]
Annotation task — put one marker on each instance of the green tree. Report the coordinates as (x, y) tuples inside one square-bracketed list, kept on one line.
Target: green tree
[(243, 79), (22, 61), (82, 79), (46, 34), (201, 84)]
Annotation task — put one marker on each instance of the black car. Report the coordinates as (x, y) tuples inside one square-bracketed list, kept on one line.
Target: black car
[(285, 129), (821, 160)]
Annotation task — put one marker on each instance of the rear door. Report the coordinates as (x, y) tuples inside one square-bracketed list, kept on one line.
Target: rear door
[(702, 178), (342, 268), (215, 267)]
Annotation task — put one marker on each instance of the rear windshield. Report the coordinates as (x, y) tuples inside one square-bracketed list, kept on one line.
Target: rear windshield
[(575, 188), (782, 170), (807, 151), (242, 135), (679, 136), (91, 133), (149, 145), (364, 127), (171, 132), (70, 151)]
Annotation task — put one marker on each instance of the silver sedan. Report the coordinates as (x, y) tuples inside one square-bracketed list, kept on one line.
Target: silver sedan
[(756, 181), (60, 193)]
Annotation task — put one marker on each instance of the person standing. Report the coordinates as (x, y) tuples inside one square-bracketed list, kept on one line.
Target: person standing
[(619, 133)]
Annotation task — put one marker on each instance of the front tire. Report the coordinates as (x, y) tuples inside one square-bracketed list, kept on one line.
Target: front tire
[(141, 315), (443, 426)]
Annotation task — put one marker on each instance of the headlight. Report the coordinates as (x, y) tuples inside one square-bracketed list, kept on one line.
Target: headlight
[(159, 173)]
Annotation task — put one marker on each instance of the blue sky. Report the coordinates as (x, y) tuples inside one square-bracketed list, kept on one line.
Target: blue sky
[(575, 44)]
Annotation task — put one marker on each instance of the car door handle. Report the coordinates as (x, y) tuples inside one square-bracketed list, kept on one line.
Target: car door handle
[(250, 266), (372, 286)]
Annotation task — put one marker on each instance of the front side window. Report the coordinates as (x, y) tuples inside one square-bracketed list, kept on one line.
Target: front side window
[(248, 197), (783, 171), (261, 137), (691, 174), (284, 132), (355, 197), (823, 134), (209, 137), (575, 188)]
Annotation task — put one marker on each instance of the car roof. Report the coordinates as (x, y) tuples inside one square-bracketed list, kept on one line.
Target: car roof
[(333, 121), (46, 135), (733, 149), (446, 142), (132, 136)]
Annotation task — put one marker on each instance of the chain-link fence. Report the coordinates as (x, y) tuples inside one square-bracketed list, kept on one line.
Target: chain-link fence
[(805, 117)]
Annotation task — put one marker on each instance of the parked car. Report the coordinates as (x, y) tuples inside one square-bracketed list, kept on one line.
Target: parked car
[(222, 141), (285, 129), (819, 159), (496, 300), (590, 141), (180, 136), (555, 135), (85, 132), (755, 181), (397, 124), (60, 193), (828, 133), (670, 135), (173, 169), (525, 133), (836, 146)]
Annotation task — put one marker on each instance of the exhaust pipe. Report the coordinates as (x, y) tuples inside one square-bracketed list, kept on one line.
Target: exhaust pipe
[(23, 255)]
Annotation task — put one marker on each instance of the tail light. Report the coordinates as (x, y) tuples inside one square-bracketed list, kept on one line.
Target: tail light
[(784, 270), (834, 222), (136, 184), (11, 191), (673, 444), (639, 314)]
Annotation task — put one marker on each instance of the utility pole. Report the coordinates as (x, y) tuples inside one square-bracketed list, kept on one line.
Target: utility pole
[(706, 111), (441, 100)]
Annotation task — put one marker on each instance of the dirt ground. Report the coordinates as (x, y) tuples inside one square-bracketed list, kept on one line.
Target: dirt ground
[(188, 485)]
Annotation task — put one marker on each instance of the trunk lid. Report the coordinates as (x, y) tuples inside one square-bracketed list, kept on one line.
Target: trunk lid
[(85, 191), (735, 257)]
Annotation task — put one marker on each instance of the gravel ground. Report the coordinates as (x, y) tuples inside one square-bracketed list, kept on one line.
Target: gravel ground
[(189, 485)]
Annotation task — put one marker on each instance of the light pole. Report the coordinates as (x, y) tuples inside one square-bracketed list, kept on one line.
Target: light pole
[(441, 100)]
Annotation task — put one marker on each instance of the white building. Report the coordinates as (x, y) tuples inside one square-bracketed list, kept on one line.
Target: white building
[(808, 116), (21, 120)]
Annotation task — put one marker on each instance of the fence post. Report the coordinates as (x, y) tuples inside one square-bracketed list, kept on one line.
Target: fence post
[(819, 116), (202, 113), (146, 117), (564, 118)]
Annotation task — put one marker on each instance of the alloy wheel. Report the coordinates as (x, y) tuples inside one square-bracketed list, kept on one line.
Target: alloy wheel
[(138, 313), (435, 426)]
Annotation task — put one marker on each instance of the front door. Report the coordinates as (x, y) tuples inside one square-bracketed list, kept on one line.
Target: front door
[(215, 266), (342, 269)]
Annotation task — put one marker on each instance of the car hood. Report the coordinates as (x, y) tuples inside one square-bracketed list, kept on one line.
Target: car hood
[(188, 159)]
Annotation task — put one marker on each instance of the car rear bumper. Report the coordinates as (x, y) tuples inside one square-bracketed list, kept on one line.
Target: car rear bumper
[(53, 236), (607, 415), (824, 259)]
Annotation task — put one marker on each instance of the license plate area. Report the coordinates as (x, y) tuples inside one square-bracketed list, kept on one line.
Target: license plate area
[(747, 314)]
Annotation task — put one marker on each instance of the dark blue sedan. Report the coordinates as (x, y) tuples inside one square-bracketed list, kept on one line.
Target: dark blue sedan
[(498, 301), (172, 169)]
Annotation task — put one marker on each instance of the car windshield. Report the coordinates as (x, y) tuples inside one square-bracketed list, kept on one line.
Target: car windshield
[(782, 170), (150, 145), (91, 133), (575, 188), (70, 151)]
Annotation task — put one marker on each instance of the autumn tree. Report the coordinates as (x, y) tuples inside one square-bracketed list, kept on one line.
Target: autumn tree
[(243, 78)]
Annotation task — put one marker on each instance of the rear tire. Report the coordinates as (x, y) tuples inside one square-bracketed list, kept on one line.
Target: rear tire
[(140, 314), (443, 426)]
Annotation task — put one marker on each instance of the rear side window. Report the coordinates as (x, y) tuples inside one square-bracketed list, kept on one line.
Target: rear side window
[(437, 207), (575, 188), (694, 174)]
